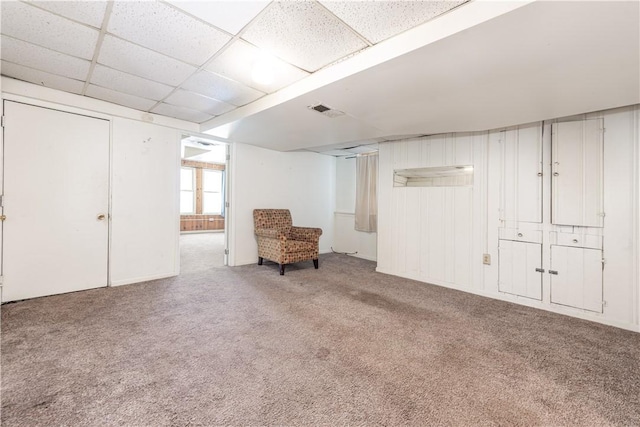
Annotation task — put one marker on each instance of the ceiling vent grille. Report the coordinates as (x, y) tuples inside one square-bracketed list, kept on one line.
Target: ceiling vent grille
[(326, 110)]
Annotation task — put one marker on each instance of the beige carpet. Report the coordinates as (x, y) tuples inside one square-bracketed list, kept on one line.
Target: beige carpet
[(341, 345)]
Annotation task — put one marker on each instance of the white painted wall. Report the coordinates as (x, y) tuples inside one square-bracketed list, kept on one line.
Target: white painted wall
[(438, 235), (346, 238), (304, 183), (144, 180), (144, 203)]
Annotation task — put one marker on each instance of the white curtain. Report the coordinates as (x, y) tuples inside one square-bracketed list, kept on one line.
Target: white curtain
[(366, 192)]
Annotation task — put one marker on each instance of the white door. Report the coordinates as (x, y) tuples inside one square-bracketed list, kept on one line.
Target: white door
[(577, 165), (576, 277), (56, 201), (519, 268), (521, 191)]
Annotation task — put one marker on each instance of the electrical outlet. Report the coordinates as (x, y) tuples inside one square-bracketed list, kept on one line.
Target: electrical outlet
[(486, 259)]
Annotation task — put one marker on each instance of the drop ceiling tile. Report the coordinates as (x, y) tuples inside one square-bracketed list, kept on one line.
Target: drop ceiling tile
[(303, 33), (181, 113), (134, 59), (87, 12), (119, 98), (230, 16), (237, 63), (33, 56), (28, 23), (218, 87), (129, 84), (41, 78), (379, 20), (165, 29), (198, 102)]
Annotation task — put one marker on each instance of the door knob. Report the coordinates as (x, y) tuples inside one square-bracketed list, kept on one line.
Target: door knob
[(101, 217)]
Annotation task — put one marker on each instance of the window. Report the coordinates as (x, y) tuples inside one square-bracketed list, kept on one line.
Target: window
[(187, 187), (211, 192)]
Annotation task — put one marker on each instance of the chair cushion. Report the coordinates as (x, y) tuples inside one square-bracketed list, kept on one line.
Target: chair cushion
[(300, 246)]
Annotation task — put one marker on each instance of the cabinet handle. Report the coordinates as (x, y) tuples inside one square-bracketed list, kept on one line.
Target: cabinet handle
[(519, 234), (556, 174), (540, 270), (554, 272), (575, 240), (539, 173)]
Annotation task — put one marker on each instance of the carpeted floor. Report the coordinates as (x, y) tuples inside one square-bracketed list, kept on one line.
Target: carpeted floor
[(341, 345)]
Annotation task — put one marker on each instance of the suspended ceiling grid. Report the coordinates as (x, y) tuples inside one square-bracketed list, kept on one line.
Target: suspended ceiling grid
[(191, 60)]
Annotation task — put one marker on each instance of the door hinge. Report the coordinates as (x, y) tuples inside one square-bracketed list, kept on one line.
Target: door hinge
[(554, 272), (540, 270), (226, 204), (226, 251), (228, 157), (1, 201), (1, 280), (2, 121)]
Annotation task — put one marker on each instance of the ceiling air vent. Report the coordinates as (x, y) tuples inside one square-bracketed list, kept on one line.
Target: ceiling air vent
[(325, 110)]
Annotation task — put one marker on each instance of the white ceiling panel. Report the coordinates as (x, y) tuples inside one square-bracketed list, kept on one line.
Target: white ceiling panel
[(165, 29), (33, 56), (221, 88), (25, 22), (184, 98), (379, 20), (127, 83), (41, 78), (87, 12), (134, 59), (119, 98), (303, 33), (237, 62), (230, 16), (181, 113)]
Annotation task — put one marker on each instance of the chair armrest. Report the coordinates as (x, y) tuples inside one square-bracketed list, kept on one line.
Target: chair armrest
[(307, 234), (272, 233)]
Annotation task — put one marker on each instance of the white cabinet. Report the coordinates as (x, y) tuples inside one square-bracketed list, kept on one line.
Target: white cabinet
[(520, 268), (577, 164), (576, 277), (521, 168)]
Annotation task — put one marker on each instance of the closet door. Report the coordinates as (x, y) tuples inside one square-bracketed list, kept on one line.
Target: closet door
[(520, 268), (577, 164), (56, 202), (576, 277), (521, 189)]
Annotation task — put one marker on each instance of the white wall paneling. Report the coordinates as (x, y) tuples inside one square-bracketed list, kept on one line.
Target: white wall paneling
[(145, 194), (509, 201), (304, 183)]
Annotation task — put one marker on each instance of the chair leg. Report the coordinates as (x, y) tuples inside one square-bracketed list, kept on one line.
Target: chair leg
[(259, 260), (315, 264), (282, 269)]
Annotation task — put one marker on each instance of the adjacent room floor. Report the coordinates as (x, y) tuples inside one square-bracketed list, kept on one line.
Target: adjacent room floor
[(334, 346)]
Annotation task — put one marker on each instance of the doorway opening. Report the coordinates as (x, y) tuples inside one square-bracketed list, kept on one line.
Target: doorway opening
[(203, 203)]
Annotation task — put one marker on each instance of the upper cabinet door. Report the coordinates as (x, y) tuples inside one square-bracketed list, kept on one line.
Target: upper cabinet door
[(521, 192), (576, 165)]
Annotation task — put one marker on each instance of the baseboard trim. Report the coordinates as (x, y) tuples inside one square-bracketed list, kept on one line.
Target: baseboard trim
[(142, 279)]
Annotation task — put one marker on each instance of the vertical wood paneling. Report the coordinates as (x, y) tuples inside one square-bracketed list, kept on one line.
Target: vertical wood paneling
[(463, 235), (449, 232), (437, 236), (412, 224)]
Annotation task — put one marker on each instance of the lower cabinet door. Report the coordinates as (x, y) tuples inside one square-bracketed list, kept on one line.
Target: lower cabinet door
[(519, 268), (576, 277)]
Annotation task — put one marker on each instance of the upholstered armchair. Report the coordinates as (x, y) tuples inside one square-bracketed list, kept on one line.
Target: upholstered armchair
[(281, 242)]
